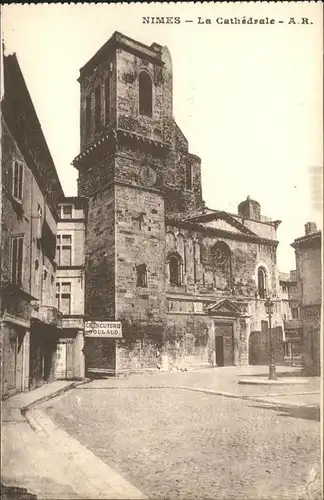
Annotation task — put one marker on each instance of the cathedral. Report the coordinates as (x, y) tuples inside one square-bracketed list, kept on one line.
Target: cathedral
[(187, 282)]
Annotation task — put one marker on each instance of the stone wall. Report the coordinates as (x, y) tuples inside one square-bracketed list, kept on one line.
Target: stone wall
[(129, 67), (308, 261), (311, 343), (196, 251), (100, 256), (188, 340), (140, 241)]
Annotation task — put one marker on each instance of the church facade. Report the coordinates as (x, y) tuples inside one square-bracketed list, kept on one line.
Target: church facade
[(188, 282)]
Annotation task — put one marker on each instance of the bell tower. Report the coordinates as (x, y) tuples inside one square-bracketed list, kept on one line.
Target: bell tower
[(135, 169), (126, 131)]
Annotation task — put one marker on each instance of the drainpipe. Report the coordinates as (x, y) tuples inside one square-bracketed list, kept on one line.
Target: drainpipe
[(31, 234), (1, 100)]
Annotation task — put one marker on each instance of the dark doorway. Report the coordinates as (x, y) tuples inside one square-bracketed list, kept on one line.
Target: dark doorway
[(100, 356), (219, 346), (224, 344)]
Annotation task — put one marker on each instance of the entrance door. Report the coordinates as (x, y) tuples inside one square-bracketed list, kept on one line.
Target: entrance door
[(100, 355), (61, 357), (224, 344), (219, 346)]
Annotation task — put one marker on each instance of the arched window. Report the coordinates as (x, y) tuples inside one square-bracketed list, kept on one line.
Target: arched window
[(221, 255), (189, 176), (175, 269), (145, 94), (262, 283), (141, 273)]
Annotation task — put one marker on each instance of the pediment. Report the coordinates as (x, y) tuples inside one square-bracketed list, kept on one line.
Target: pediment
[(222, 225), (222, 221), (225, 307)]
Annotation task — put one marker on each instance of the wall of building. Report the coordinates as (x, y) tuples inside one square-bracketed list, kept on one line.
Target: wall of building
[(202, 286), (140, 242), (76, 278), (33, 218), (308, 262), (309, 272), (246, 257), (70, 356), (100, 256), (129, 66), (77, 231)]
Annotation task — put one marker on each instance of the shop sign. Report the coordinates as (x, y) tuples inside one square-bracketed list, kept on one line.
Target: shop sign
[(103, 329)]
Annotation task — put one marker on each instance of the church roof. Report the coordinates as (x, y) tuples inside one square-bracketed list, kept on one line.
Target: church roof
[(217, 222)]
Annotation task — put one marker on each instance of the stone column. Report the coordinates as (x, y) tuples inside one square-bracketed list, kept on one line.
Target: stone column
[(26, 356), (212, 343), (243, 340), (79, 363)]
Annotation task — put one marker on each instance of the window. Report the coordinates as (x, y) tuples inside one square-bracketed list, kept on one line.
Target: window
[(262, 283), (175, 269), (107, 100), (188, 176), (17, 180), (88, 115), (221, 265), (63, 297), (97, 108), (221, 255), (64, 250), (138, 221), (141, 272), (264, 326), (66, 212), (145, 94), (294, 312), (17, 259)]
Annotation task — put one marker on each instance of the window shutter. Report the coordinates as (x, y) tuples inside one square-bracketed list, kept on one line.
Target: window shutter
[(20, 259), (14, 260), (15, 179), (20, 182)]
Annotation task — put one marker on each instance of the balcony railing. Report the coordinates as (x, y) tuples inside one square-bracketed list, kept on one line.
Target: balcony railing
[(48, 315), (72, 322)]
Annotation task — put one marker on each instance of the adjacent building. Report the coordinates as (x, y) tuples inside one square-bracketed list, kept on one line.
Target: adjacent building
[(70, 285), (30, 322), (290, 315), (188, 282), (306, 297)]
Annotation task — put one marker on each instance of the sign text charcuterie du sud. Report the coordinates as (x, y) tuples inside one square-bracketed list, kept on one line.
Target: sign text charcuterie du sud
[(108, 329)]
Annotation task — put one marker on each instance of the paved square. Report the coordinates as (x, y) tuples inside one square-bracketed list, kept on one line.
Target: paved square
[(174, 443)]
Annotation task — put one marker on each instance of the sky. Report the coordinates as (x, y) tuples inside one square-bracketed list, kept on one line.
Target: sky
[(247, 97)]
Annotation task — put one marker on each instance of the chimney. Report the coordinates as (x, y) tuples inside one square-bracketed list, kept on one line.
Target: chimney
[(310, 227)]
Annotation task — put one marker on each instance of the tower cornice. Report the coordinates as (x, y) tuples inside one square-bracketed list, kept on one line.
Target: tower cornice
[(116, 136)]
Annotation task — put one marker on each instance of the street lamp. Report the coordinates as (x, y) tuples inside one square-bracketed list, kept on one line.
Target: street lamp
[(269, 306)]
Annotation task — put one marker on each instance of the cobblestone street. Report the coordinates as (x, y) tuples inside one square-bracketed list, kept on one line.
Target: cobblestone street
[(176, 443)]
